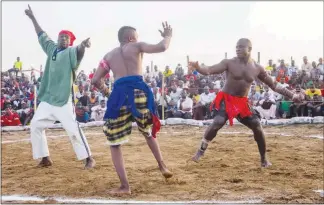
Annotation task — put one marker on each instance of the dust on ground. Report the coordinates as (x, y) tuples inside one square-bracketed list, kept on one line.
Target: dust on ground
[(230, 169)]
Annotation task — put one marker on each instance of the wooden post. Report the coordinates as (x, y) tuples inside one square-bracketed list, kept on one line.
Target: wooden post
[(188, 65), (225, 55), (162, 96), (35, 98), (259, 57)]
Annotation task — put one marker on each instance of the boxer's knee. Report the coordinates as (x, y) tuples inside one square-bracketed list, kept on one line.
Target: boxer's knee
[(218, 122)]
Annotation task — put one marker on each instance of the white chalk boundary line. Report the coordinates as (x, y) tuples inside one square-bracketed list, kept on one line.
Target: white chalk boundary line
[(189, 122), (227, 133), (106, 201)]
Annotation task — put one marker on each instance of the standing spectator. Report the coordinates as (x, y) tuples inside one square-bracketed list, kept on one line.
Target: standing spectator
[(167, 72), (315, 73), (269, 68), (282, 72), (155, 72), (321, 68), (148, 74), (92, 73), (179, 72), (306, 66), (292, 69), (17, 67)]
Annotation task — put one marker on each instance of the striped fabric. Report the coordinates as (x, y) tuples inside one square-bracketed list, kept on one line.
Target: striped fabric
[(118, 130)]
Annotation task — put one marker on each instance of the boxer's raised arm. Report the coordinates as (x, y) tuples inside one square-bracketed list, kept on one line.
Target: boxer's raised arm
[(154, 48), (273, 85), (160, 47), (210, 70)]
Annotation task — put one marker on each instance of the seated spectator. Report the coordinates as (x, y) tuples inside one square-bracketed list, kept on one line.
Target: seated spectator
[(316, 106), (284, 107), (25, 113), (3, 99), (98, 111), (254, 96), (298, 109), (201, 108), (162, 101), (311, 91), (93, 100), (175, 94), (10, 117), (267, 107), (82, 113), (184, 107)]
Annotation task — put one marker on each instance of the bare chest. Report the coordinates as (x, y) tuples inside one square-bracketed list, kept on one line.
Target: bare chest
[(243, 72)]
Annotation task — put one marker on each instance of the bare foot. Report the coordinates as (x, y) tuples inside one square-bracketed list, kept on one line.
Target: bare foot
[(90, 163), (164, 170), (266, 164), (45, 162), (121, 191), (197, 156)]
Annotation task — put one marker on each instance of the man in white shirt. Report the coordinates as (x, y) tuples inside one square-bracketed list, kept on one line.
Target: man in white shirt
[(159, 100), (155, 72), (270, 92), (148, 74), (267, 107), (206, 97), (201, 108), (306, 66), (321, 68), (292, 69), (98, 111), (184, 107), (175, 94)]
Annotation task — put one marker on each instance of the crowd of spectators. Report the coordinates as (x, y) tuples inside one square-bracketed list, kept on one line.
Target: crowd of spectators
[(186, 95)]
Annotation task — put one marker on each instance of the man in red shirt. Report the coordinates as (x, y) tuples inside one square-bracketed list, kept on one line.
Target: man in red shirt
[(91, 74), (10, 118)]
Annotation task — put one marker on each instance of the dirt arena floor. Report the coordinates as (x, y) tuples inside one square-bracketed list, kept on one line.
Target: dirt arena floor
[(230, 169)]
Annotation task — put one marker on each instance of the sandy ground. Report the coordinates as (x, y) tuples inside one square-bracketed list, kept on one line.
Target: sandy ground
[(230, 169)]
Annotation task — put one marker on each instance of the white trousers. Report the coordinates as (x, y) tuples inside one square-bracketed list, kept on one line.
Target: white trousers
[(46, 115)]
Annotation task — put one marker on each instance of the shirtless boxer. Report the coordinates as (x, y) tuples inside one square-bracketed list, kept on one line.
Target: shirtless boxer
[(232, 101), (130, 99)]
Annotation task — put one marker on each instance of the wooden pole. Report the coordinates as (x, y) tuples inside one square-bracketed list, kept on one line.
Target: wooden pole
[(35, 98), (188, 65), (151, 66), (225, 55), (259, 57), (162, 96)]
